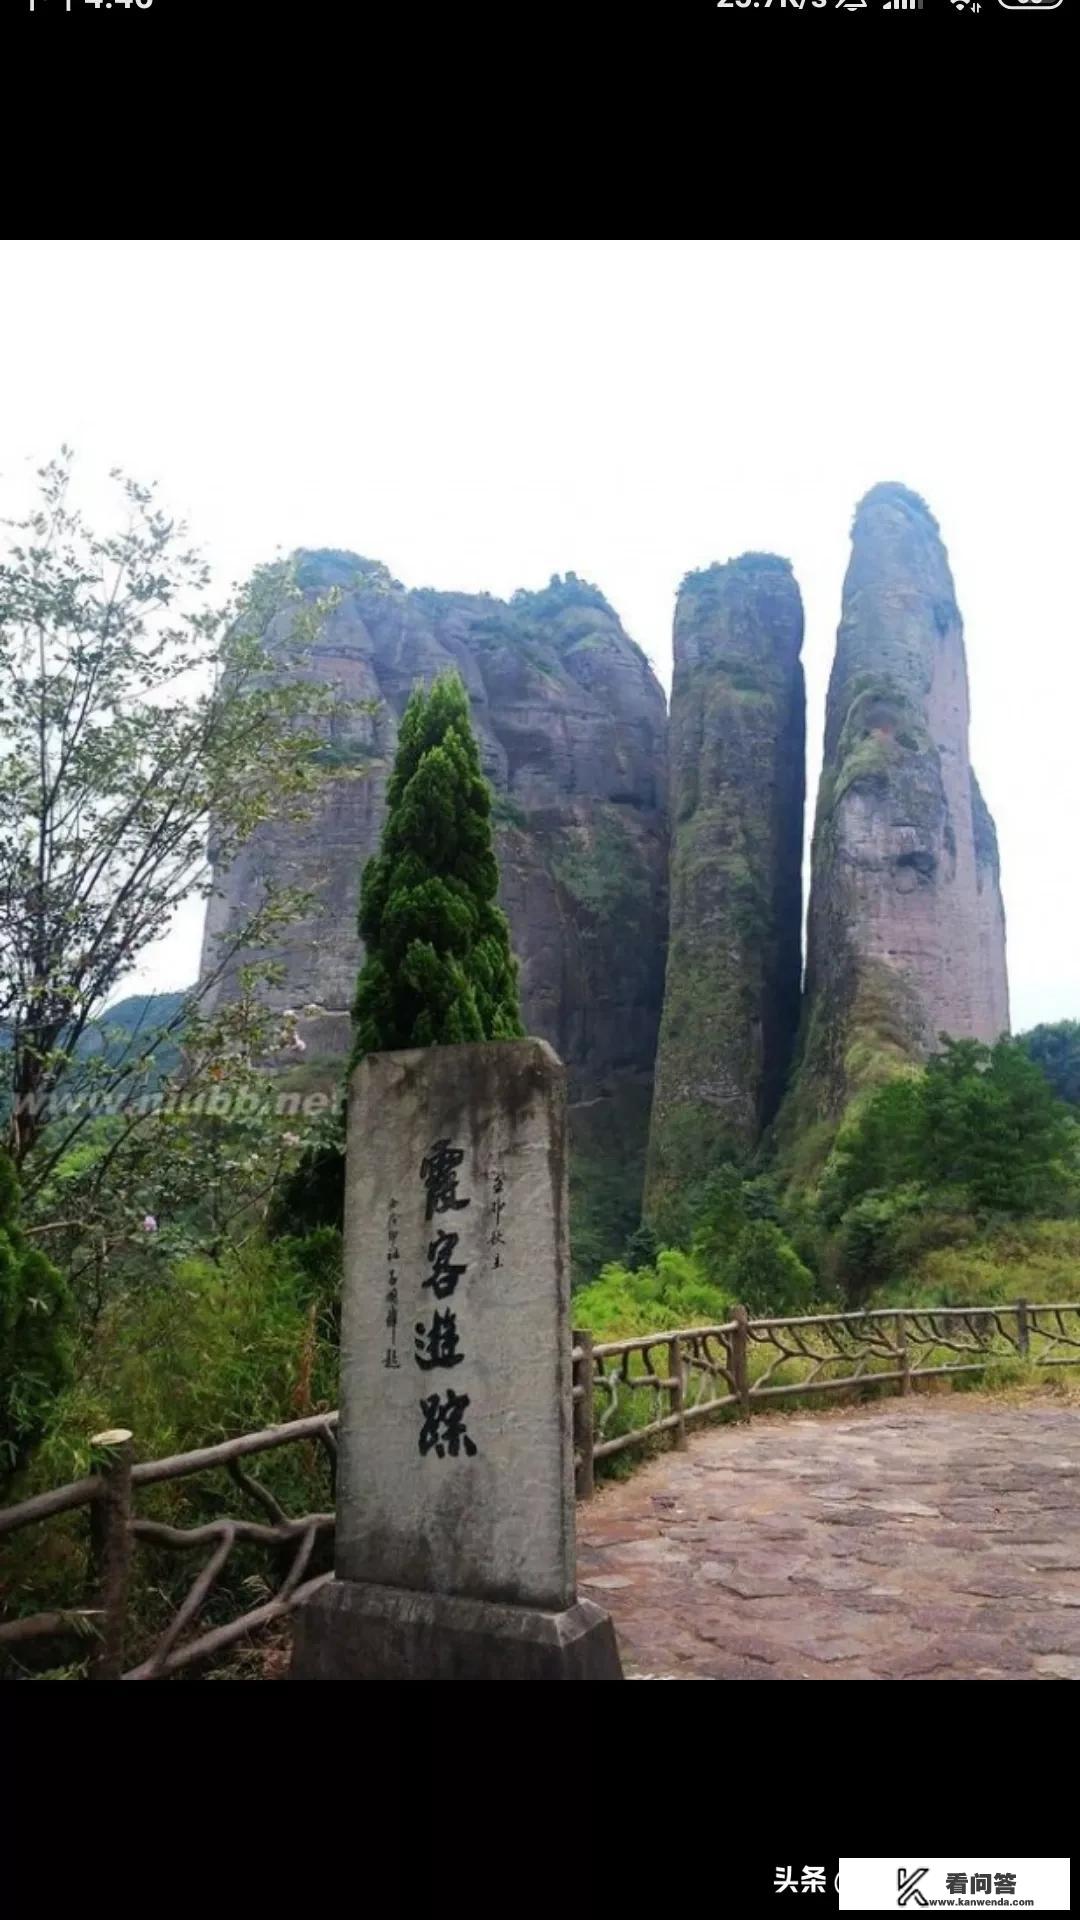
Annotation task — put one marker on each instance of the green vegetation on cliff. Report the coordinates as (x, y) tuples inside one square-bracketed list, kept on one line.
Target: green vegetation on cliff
[(1055, 1048), (862, 1020), (732, 983), (981, 1120), (560, 616), (607, 1169), (965, 1172), (737, 1252), (596, 864), (905, 930), (934, 1156), (854, 1039), (708, 582), (882, 732), (894, 493)]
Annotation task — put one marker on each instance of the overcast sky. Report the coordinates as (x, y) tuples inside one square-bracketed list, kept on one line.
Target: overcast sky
[(482, 415)]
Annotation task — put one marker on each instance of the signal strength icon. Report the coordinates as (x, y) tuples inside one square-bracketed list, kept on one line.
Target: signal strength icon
[(902, 6)]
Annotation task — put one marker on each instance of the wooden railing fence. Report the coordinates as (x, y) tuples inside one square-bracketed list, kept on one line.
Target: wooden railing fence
[(115, 1529), (686, 1374), (701, 1370)]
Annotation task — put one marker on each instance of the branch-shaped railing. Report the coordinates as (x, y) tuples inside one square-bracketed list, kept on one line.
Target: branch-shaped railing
[(115, 1528), (627, 1392), (671, 1379)]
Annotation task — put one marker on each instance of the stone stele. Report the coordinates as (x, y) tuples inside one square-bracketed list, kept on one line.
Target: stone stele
[(455, 1506)]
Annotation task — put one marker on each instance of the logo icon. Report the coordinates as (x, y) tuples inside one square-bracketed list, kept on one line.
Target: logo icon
[(908, 1886)]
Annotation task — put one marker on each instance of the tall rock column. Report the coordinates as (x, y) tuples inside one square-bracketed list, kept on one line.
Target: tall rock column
[(737, 753), (906, 931)]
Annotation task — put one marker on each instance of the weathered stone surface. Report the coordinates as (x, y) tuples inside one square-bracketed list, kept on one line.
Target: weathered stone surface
[(906, 935), (572, 728), (731, 1000), (1057, 1666), (753, 1611), (351, 1632), (456, 1198), (752, 1586)]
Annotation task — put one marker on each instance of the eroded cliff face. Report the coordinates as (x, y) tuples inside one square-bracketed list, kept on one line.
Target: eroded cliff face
[(906, 935), (572, 729), (906, 927), (737, 744)]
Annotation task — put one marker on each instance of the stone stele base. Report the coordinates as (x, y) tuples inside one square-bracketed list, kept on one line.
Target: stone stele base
[(349, 1630)]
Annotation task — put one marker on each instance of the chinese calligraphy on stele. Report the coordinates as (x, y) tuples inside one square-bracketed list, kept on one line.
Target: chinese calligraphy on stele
[(437, 1343)]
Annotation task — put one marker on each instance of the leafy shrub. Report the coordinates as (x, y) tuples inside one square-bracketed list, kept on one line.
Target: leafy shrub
[(741, 1242), (35, 1333), (866, 1250), (673, 1292), (991, 1124), (1055, 1048), (766, 1273), (1035, 1259), (979, 1122)]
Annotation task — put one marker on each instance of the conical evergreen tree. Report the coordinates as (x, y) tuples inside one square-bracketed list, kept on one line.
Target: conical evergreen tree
[(438, 969)]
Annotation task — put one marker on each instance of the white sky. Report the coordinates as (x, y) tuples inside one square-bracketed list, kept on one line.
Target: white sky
[(485, 414)]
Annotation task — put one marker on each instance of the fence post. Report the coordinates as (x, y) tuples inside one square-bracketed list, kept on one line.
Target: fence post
[(1022, 1333), (739, 1345), (905, 1363), (583, 1417), (678, 1396), (110, 1551)]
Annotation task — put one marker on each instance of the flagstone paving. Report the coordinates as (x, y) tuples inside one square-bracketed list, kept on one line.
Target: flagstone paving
[(937, 1539)]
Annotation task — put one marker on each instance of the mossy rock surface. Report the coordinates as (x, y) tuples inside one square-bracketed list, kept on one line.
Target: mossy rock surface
[(905, 931), (737, 773)]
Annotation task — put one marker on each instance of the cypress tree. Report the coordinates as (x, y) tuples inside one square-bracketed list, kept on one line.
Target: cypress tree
[(438, 969)]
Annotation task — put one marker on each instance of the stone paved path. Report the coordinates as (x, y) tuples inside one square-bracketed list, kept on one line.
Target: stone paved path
[(938, 1539)]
